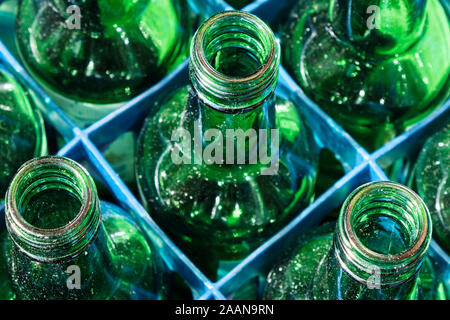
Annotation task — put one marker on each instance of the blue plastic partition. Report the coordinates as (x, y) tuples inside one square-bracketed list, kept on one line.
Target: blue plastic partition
[(360, 166)]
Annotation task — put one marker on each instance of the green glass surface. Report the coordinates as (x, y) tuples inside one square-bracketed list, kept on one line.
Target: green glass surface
[(433, 183), (378, 81), (115, 260), (22, 134), (381, 224), (6, 292), (121, 48), (219, 212)]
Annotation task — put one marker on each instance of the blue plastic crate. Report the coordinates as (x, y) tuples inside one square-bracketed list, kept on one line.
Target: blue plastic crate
[(360, 166)]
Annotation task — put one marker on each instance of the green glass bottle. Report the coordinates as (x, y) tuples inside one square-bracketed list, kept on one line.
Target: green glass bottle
[(22, 131), (63, 243), (433, 183), (102, 51), (378, 251), (91, 56), (376, 68), (224, 163)]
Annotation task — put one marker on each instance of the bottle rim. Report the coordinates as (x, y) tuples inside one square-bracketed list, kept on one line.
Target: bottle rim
[(231, 94), (54, 244), (360, 262)]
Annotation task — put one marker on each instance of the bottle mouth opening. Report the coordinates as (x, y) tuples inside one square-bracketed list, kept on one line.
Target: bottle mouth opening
[(234, 61), (52, 208), (383, 226)]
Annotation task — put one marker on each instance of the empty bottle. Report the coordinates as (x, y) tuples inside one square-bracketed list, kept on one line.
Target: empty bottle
[(224, 163), (63, 243), (433, 183), (22, 132), (91, 56), (378, 251), (102, 51), (376, 67)]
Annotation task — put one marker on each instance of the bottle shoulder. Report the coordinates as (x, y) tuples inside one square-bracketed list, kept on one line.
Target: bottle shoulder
[(308, 274), (131, 257), (101, 52), (6, 290), (433, 183), (225, 200), (342, 77), (156, 141), (293, 279), (175, 112), (22, 132)]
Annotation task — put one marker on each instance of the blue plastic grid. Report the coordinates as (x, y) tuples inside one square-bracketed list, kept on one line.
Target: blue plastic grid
[(359, 165)]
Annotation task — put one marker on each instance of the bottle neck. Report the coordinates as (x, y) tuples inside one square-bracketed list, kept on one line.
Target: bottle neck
[(52, 209), (379, 27), (234, 66), (260, 117), (381, 238)]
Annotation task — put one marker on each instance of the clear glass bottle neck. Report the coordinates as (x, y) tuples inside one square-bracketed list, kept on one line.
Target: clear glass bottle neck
[(381, 238), (380, 26), (53, 242)]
